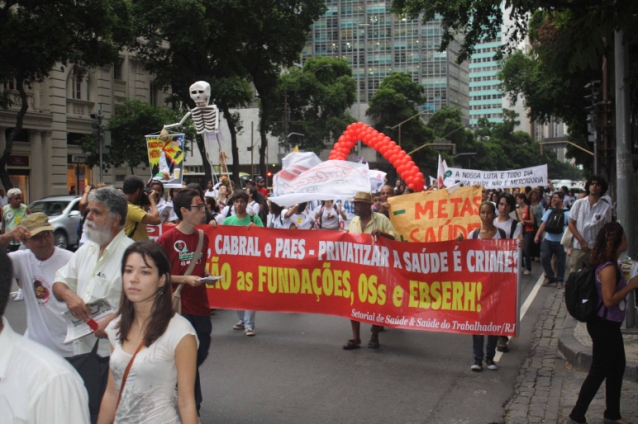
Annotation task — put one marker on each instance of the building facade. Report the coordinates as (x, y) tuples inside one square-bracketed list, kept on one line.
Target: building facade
[(376, 43)]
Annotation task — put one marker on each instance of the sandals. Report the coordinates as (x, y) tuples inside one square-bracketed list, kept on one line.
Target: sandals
[(352, 344), (372, 344)]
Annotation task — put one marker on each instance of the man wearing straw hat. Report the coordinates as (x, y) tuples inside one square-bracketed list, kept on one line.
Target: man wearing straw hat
[(36, 267), (377, 225)]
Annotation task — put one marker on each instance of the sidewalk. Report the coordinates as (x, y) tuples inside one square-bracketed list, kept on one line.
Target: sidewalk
[(547, 386)]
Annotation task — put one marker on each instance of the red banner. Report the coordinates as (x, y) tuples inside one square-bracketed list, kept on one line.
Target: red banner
[(468, 287)]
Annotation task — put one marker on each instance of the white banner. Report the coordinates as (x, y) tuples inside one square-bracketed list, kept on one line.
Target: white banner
[(293, 165), (533, 176), (330, 180), (377, 179)]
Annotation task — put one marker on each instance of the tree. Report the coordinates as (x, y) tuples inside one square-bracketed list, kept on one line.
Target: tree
[(480, 20), (313, 101), (129, 126), (38, 34), (273, 34), (397, 100)]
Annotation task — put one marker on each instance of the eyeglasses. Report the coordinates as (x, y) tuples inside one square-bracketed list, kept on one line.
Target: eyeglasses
[(197, 207)]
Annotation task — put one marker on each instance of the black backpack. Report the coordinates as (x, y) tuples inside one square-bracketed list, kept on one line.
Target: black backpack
[(555, 222), (581, 294), (501, 232)]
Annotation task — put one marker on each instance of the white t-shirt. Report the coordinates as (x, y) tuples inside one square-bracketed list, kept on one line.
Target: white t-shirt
[(165, 209), (253, 208), (276, 221), (507, 227), (45, 323), (300, 221), (36, 385), (149, 395), (330, 218), (211, 193)]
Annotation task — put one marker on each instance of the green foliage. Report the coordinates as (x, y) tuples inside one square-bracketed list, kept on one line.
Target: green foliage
[(584, 23), (396, 101), (129, 126), (318, 97), (183, 41), (40, 34)]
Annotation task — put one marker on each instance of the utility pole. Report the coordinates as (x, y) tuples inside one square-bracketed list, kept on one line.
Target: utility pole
[(593, 122), (624, 167), (99, 134)]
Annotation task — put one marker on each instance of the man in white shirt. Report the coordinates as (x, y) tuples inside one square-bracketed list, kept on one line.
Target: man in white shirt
[(36, 385), (36, 266), (94, 271), (587, 217)]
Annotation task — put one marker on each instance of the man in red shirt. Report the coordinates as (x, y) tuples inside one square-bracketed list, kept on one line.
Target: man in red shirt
[(261, 186), (180, 244)]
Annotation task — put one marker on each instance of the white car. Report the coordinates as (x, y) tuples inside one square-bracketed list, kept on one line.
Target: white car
[(64, 216)]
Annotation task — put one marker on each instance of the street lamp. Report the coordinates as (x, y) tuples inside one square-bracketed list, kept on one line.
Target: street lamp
[(358, 72), (293, 133), (401, 123)]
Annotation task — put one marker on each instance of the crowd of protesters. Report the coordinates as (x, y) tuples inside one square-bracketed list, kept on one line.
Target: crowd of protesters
[(161, 333)]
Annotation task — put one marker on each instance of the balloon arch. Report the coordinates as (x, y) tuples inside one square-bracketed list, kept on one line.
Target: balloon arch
[(402, 162)]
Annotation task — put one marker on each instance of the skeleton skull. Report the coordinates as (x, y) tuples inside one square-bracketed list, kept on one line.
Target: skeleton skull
[(200, 93)]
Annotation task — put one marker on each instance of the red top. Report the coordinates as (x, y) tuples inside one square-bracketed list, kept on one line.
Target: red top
[(180, 248), (263, 191), (525, 213)]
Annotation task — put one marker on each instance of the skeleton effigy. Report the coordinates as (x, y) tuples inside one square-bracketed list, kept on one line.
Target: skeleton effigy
[(205, 116)]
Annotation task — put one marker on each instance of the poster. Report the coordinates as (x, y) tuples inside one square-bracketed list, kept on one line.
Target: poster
[(439, 215), (467, 287), (166, 158), (533, 176)]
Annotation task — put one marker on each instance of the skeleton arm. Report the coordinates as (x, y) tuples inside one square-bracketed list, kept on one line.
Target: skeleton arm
[(180, 123)]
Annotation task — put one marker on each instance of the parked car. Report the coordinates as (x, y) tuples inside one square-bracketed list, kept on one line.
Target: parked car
[(64, 216)]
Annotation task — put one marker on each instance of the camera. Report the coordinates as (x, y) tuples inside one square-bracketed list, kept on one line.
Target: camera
[(143, 200)]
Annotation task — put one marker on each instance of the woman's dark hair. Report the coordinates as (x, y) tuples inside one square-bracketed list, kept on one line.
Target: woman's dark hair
[(600, 180), (173, 192), (275, 209), (183, 199), (523, 197), (509, 199), (212, 204), (607, 242), (162, 310), (493, 195), (159, 183), (490, 204), (253, 193), (302, 207)]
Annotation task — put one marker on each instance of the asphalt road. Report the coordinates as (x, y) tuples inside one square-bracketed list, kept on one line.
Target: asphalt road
[(295, 371)]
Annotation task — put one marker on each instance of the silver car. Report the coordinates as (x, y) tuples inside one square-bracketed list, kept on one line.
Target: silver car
[(64, 216)]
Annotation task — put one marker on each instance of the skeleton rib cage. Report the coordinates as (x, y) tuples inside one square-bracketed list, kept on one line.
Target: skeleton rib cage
[(206, 118)]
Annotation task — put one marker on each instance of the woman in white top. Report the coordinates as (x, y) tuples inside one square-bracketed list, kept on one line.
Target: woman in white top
[(253, 207), (164, 208), (166, 344), (329, 215), (222, 197)]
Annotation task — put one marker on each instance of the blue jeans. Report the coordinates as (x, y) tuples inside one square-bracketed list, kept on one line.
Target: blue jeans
[(527, 252), (477, 345), (248, 318), (203, 327), (549, 248)]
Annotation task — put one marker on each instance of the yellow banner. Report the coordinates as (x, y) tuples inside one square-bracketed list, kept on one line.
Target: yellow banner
[(440, 215)]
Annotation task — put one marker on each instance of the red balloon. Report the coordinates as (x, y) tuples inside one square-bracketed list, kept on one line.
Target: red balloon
[(420, 176)]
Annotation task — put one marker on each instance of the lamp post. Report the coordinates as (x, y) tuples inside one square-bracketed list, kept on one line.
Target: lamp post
[(401, 123), (358, 73)]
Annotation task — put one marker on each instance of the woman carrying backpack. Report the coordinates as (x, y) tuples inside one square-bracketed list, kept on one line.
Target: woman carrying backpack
[(329, 216), (608, 357)]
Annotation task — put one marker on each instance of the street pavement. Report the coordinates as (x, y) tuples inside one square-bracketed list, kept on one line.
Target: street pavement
[(295, 371)]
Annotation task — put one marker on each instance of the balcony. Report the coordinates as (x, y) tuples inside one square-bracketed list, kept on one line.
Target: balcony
[(79, 108)]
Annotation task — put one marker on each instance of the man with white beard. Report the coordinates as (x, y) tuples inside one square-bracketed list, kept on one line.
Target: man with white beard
[(94, 271)]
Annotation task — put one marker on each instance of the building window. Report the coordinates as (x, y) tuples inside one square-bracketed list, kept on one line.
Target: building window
[(117, 69), (153, 95), (78, 84)]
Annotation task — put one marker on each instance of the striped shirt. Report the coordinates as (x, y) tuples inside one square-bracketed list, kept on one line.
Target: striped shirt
[(589, 219)]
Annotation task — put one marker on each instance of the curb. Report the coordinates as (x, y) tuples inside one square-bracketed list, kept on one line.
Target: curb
[(581, 356)]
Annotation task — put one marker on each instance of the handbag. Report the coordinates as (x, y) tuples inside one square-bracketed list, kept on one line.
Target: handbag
[(566, 241), (94, 371), (177, 294)]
